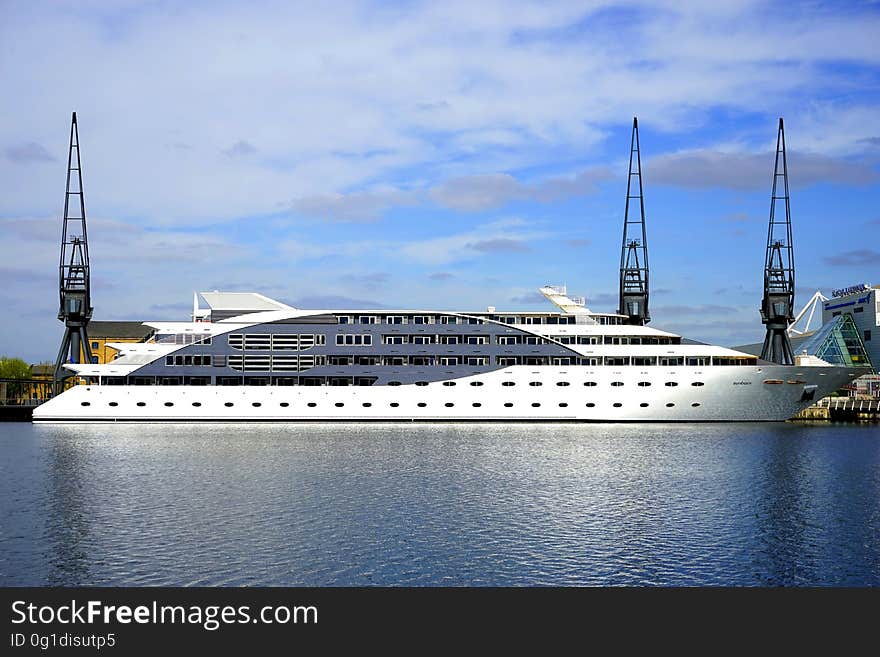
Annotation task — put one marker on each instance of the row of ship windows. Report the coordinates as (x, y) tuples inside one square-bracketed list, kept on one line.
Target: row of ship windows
[(396, 404), (453, 320), (299, 342), (300, 363)]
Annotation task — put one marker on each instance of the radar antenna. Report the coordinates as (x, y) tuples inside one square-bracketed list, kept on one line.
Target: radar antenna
[(777, 307), (634, 253), (75, 304)]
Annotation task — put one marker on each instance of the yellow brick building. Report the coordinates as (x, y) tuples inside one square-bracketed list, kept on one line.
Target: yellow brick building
[(103, 333)]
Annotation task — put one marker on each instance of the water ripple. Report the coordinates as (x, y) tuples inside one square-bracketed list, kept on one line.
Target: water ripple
[(246, 505)]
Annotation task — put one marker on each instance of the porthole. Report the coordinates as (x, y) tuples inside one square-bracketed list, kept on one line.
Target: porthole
[(284, 404), (476, 404), (697, 384), (695, 404), (534, 384), (590, 384), (590, 404), (113, 404), (670, 405), (228, 404), (671, 384), (617, 384), (643, 405), (394, 404), (169, 403), (535, 404), (508, 405), (141, 404), (197, 404), (476, 383), (421, 404), (421, 383), (394, 383), (85, 403), (339, 404), (562, 383), (366, 404), (449, 404), (508, 383), (563, 405), (311, 404), (256, 404), (644, 384), (617, 405), (449, 383)]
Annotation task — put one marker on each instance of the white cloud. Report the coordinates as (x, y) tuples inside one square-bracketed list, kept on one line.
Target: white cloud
[(331, 102)]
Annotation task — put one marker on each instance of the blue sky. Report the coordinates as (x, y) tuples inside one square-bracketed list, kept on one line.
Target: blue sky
[(433, 155)]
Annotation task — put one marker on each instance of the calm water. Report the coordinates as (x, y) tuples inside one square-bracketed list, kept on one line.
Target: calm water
[(439, 505)]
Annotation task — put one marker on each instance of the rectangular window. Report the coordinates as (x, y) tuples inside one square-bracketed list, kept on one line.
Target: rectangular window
[(508, 319), (259, 363), (368, 319), (422, 339), (394, 339), (474, 320), (449, 360), (477, 361), (589, 339), (449, 339), (445, 319), (617, 360), (421, 319), (236, 362), (531, 339), (285, 342), (644, 361), (477, 339), (344, 319), (590, 361), (671, 361), (561, 361), (94, 345), (698, 361), (506, 361), (395, 319), (235, 340), (285, 363), (867, 336), (859, 309), (169, 360), (255, 341), (509, 339)]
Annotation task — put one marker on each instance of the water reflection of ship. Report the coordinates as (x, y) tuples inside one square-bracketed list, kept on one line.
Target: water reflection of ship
[(69, 527)]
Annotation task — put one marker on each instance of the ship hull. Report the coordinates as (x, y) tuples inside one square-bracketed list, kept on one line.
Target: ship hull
[(546, 394)]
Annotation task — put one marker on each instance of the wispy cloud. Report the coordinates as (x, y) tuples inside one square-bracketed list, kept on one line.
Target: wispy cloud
[(854, 258), (27, 153), (358, 206), (240, 149), (752, 171), (486, 191)]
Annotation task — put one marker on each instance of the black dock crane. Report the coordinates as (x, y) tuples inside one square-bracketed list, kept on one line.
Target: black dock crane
[(634, 253), (777, 307), (75, 307)]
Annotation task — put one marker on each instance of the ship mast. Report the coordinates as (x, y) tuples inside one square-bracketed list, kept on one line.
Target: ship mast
[(634, 252), (777, 306), (75, 306)]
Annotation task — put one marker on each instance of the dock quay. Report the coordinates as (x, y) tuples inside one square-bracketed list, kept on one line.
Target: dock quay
[(843, 409)]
